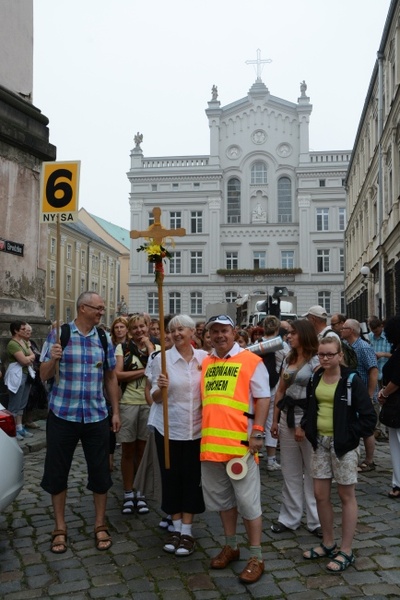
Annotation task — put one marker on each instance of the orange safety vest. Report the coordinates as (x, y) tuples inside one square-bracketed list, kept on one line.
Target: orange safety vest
[(226, 405)]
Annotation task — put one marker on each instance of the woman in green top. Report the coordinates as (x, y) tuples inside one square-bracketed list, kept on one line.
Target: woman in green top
[(19, 352)]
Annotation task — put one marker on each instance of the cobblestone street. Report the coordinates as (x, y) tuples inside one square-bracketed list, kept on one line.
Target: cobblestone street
[(136, 566)]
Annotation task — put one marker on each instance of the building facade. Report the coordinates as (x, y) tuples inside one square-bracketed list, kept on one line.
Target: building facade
[(119, 239), (86, 263), (373, 183), (261, 210)]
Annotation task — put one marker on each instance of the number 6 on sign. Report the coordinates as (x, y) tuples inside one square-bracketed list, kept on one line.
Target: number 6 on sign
[(59, 188)]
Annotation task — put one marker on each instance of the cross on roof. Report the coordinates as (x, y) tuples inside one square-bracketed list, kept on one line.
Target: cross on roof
[(258, 62)]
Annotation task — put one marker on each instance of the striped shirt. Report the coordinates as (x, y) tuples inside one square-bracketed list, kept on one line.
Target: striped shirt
[(79, 394)]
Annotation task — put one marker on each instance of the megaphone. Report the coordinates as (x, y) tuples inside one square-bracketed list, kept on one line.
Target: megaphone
[(266, 346)]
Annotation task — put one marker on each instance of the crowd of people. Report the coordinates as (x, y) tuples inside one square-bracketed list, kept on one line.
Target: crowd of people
[(197, 417)]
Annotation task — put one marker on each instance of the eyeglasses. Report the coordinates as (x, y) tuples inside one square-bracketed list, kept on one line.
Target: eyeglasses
[(335, 323), (328, 355), (101, 309)]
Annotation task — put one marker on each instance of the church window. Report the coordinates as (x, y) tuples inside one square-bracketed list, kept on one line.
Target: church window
[(196, 221), (196, 262), (152, 303), (234, 200), (287, 259), (322, 219), (231, 297), (175, 263), (259, 259), (259, 173), (196, 303), (174, 303), (324, 300), (284, 200), (175, 220), (323, 262), (322, 182), (232, 261), (342, 219)]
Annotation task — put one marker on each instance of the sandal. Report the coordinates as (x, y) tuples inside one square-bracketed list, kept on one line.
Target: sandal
[(101, 540), (366, 467), (54, 544), (172, 542), (141, 505), (313, 553), (278, 527), (128, 507), (395, 493), (186, 546), (348, 560)]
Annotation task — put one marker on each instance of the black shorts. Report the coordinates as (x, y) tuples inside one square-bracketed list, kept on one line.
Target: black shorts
[(181, 484), (62, 438)]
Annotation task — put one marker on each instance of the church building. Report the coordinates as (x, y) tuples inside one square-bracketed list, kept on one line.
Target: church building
[(261, 210)]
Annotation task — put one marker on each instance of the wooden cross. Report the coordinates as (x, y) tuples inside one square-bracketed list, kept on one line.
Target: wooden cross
[(158, 233)]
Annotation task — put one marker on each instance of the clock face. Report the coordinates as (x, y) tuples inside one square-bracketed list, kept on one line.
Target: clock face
[(259, 136)]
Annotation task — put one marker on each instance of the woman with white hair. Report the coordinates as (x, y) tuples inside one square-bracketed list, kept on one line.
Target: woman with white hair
[(182, 495)]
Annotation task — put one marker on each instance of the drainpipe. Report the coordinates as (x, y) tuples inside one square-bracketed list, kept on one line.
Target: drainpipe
[(381, 282)]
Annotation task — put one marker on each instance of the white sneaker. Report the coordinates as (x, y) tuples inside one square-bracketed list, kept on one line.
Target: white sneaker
[(273, 466), (26, 434), (19, 436)]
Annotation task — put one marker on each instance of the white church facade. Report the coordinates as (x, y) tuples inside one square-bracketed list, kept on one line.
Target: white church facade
[(261, 210)]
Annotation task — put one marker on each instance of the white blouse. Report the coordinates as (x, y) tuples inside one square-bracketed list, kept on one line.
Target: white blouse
[(184, 398)]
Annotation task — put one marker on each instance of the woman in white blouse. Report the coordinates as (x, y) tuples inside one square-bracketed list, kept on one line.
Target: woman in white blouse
[(181, 484)]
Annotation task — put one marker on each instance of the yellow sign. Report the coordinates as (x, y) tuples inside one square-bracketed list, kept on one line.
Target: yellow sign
[(59, 190)]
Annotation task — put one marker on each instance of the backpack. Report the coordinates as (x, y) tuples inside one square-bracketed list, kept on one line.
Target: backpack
[(349, 354), (270, 364), (66, 334)]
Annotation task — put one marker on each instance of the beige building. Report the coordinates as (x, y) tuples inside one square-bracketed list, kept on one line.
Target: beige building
[(87, 263), (373, 196), (119, 239)]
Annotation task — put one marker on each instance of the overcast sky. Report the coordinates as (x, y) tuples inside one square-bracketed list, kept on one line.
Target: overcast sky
[(105, 69)]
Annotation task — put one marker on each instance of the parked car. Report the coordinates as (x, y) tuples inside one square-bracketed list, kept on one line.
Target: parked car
[(11, 460)]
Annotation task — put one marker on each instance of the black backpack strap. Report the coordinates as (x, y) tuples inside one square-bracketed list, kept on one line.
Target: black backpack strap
[(65, 334), (104, 343)]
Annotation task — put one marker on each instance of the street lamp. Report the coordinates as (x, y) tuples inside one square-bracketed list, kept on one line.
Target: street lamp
[(365, 271)]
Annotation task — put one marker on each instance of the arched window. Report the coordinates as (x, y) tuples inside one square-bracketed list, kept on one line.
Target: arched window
[(259, 173), (230, 296), (233, 212), (284, 200)]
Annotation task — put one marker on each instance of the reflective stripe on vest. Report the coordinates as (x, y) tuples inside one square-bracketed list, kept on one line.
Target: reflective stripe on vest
[(225, 398)]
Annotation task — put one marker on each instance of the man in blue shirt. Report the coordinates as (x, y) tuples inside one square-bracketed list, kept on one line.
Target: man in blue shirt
[(383, 352), (78, 412), (367, 368)]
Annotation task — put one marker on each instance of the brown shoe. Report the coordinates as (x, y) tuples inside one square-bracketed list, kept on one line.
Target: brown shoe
[(226, 556), (253, 570)]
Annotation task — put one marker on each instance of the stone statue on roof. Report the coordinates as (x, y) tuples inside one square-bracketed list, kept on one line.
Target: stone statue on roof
[(303, 88), (138, 139), (214, 92)]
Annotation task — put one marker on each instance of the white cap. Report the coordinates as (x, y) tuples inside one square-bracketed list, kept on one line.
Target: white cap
[(317, 311)]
